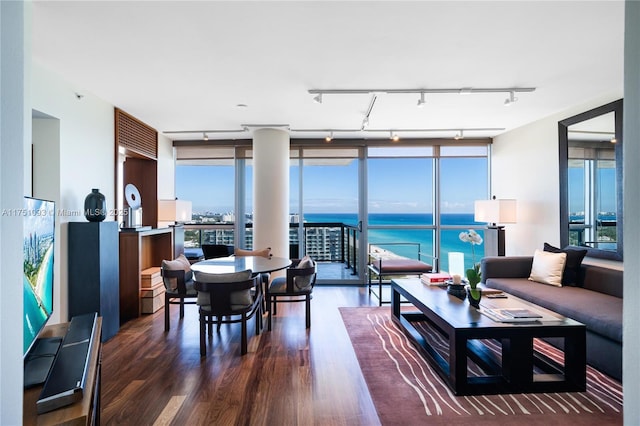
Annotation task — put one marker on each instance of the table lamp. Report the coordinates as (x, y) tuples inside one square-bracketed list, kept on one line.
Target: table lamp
[(496, 212)]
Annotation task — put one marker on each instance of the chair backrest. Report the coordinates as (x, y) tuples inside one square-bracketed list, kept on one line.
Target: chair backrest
[(212, 251), (301, 275), (225, 294)]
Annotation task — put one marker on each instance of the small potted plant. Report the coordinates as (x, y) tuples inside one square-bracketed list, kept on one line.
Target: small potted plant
[(474, 275)]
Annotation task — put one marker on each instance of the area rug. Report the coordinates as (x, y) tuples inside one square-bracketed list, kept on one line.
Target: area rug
[(406, 391)]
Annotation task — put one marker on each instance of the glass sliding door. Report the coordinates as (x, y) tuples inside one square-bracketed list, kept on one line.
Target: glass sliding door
[(400, 204), (328, 209)]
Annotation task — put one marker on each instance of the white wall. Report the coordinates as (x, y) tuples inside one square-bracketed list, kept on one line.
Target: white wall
[(631, 150), (15, 129), (67, 166), (525, 167)]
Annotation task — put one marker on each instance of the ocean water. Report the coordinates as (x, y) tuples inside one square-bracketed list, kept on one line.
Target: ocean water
[(389, 238)]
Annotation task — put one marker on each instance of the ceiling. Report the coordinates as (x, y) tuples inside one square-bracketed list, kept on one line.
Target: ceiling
[(222, 67)]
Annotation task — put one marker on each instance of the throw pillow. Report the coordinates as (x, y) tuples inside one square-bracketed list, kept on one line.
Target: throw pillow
[(547, 267), (303, 282), (572, 269), (242, 297), (180, 263), (262, 252)]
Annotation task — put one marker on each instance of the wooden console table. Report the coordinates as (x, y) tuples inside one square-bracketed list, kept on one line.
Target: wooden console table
[(84, 412), (140, 250)]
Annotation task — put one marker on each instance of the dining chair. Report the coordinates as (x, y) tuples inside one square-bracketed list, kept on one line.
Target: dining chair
[(226, 299), (296, 286), (265, 252), (178, 284), (212, 251)]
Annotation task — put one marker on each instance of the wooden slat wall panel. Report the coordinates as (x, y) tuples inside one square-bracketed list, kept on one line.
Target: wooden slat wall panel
[(134, 135)]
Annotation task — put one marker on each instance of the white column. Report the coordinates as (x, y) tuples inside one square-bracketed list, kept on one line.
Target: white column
[(271, 190)]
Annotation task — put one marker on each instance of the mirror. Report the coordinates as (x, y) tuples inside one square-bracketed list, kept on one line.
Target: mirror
[(591, 181)]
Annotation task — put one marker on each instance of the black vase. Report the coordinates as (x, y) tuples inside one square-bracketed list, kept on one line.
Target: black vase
[(474, 296), (95, 206)]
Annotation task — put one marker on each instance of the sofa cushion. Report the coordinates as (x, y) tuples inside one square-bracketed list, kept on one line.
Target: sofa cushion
[(572, 274), (600, 313), (547, 267)]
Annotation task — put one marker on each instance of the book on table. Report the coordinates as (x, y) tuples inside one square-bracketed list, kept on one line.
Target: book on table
[(435, 278)]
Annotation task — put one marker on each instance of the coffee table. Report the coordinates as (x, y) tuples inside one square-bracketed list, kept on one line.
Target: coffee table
[(516, 368)]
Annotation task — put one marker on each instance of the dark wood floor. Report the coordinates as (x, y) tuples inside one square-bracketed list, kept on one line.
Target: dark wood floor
[(291, 376)]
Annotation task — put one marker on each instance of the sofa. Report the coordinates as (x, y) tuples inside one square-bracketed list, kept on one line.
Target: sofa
[(595, 300)]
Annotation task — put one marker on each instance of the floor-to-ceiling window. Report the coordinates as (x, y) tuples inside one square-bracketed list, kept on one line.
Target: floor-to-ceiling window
[(400, 202), (463, 178), (422, 195)]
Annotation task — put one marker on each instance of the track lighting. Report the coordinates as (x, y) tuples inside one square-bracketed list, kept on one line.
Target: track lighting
[(365, 123), (318, 98), (393, 136), (329, 137), (511, 99), (205, 137), (459, 135), (421, 100)]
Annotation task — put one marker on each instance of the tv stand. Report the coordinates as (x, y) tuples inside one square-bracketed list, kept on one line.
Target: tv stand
[(39, 359), (85, 411)]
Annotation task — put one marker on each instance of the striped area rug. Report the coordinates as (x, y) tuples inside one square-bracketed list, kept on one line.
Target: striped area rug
[(406, 391)]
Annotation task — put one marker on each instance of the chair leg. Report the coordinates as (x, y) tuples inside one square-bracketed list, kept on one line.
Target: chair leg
[(203, 347), (269, 310), (243, 338), (166, 312), (181, 308), (307, 302)]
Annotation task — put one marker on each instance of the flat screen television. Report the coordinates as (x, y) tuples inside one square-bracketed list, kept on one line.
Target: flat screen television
[(38, 260)]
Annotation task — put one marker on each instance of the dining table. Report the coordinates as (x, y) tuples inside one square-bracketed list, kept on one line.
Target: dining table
[(230, 264)]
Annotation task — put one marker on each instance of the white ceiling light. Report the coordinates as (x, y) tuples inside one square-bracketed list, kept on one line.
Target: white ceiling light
[(205, 137), (421, 101), (318, 98), (459, 135), (329, 137), (393, 136)]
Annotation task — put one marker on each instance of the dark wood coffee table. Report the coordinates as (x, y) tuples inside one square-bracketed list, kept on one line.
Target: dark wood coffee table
[(516, 368)]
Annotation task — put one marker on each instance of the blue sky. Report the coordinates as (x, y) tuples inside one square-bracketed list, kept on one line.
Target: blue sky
[(401, 185)]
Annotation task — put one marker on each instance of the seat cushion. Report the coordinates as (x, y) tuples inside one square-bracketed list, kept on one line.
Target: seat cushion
[(600, 313), (400, 265), (238, 299)]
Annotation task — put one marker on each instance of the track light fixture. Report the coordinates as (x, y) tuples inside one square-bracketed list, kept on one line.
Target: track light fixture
[(318, 98), (511, 99), (329, 137), (459, 135), (205, 136), (393, 136), (421, 101)]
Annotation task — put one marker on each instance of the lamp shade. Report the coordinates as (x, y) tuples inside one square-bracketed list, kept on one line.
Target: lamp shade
[(174, 211), (496, 211)]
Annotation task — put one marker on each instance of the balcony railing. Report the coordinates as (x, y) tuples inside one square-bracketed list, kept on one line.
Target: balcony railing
[(323, 241)]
